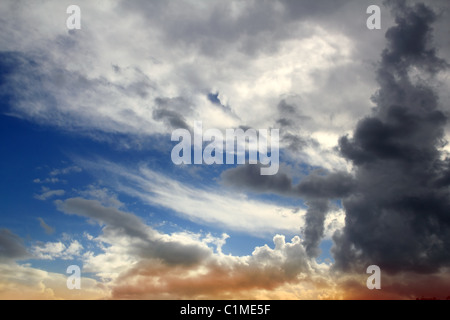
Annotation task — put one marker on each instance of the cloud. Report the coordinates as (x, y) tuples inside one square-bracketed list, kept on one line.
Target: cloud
[(400, 182), (47, 194), (253, 55), (206, 206), (114, 218), (46, 227), (141, 263), (170, 111), (332, 185), (401, 286), (57, 250), (11, 246), (47, 180), (315, 185), (315, 188), (64, 171), (287, 64), (221, 277), (290, 118), (397, 154), (162, 266), (146, 241), (172, 118), (249, 177), (104, 195), (23, 282), (315, 225)]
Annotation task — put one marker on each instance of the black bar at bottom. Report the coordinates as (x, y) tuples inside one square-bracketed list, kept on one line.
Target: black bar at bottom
[(229, 309)]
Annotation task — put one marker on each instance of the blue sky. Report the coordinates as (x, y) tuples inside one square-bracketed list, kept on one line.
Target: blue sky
[(40, 159)]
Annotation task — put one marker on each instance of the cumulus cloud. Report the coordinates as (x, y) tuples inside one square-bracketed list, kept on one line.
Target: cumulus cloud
[(144, 263), (221, 276), (57, 250)]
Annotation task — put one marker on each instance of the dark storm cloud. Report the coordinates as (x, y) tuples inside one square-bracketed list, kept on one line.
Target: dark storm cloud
[(314, 225), (400, 217), (409, 41), (329, 186), (249, 177), (11, 246), (397, 206), (314, 186), (316, 189)]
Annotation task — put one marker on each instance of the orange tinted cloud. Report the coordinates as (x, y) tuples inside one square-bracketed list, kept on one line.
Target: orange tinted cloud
[(284, 272), (400, 286)]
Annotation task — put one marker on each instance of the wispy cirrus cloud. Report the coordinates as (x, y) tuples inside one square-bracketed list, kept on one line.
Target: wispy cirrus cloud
[(47, 194), (207, 206)]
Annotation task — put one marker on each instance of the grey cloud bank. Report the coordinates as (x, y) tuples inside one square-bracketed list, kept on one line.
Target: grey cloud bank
[(397, 202)]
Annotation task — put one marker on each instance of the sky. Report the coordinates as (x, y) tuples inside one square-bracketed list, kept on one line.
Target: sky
[(87, 178)]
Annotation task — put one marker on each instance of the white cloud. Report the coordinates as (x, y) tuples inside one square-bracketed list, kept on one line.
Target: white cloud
[(213, 207), (334, 221), (108, 77), (74, 249), (57, 250)]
